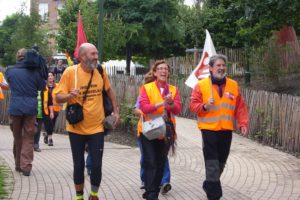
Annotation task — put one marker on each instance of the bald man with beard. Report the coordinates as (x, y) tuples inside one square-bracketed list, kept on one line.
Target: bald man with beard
[(90, 131)]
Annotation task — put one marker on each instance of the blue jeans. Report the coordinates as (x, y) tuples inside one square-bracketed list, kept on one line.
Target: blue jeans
[(166, 174)]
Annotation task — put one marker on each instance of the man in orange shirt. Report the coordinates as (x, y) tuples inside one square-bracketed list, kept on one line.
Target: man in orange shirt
[(217, 101), (74, 83)]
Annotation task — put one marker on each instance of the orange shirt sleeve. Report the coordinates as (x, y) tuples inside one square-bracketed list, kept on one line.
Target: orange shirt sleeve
[(196, 101), (241, 112), (65, 83)]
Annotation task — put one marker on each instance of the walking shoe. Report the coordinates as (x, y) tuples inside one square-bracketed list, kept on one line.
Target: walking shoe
[(50, 142), (142, 186), (45, 139), (93, 198), (89, 171), (37, 149), (18, 169), (26, 173), (165, 188)]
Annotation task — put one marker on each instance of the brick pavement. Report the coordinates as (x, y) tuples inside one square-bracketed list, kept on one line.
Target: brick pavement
[(253, 171)]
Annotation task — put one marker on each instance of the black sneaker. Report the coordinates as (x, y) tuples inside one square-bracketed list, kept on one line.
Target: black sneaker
[(165, 188), (50, 142), (45, 139), (37, 149), (26, 173), (18, 169)]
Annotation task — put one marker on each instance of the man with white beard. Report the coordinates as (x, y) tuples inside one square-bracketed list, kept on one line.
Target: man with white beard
[(217, 101), (83, 84)]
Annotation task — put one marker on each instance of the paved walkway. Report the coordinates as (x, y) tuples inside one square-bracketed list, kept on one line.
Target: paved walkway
[(253, 171)]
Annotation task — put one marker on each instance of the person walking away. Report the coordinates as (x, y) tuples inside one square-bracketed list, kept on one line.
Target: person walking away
[(217, 101), (75, 82), (24, 86), (157, 99), (39, 120), (51, 109)]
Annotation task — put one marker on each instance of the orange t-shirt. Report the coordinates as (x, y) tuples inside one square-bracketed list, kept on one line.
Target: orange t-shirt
[(93, 112)]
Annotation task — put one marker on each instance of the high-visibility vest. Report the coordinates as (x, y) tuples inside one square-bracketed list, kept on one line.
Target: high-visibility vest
[(1, 92), (56, 106), (154, 95), (221, 116)]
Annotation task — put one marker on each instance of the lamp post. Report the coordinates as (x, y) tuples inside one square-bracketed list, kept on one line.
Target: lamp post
[(100, 31), (248, 14)]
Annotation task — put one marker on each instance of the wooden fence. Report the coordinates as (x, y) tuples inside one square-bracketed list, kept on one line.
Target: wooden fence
[(274, 119)]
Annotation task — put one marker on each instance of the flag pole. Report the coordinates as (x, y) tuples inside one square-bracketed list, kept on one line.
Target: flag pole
[(211, 87)]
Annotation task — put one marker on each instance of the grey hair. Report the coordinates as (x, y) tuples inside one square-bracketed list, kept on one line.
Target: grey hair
[(216, 57)]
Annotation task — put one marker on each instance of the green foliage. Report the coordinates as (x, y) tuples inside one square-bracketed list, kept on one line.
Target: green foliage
[(21, 31), (264, 131), (3, 184), (113, 28), (238, 23), (129, 120)]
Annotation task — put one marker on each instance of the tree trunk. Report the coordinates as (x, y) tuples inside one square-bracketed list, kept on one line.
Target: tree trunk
[(128, 58)]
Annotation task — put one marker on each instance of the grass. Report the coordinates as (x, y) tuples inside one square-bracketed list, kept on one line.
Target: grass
[(5, 181)]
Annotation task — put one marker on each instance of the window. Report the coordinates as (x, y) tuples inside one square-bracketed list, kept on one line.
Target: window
[(43, 11)]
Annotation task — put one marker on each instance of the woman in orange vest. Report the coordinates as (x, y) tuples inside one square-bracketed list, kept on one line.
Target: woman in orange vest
[(3, 86), (51, 109), (157, 99), (217, 101)]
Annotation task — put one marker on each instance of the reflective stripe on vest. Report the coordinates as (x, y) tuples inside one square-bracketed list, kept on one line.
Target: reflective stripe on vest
[(221, 116)]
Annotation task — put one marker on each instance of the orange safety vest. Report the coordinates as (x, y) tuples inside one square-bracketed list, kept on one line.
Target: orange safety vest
[(56, 106), (1, 92), (221, 116), (155, 97)]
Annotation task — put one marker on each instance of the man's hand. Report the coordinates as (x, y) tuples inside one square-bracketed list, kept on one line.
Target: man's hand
[(73, 93), (117, 119), (208, 106), (244, 131), (51, 115)]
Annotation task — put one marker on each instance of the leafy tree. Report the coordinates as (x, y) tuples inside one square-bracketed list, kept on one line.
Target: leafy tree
[(67, 37), (151, 27), (21, 31)]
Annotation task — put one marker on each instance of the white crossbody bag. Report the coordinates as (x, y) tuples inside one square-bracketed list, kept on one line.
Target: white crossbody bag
[(154, 129)]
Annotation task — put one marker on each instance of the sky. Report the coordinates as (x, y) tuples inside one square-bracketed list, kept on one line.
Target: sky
[(8, 7)]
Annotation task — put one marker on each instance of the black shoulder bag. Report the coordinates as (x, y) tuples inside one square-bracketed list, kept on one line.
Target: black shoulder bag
[(74, 112), (107, 105)]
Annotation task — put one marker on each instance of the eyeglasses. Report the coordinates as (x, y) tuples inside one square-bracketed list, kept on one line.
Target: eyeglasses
[(162, 68)]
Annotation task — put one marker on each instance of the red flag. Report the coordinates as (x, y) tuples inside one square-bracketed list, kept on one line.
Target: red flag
[(81, 38)]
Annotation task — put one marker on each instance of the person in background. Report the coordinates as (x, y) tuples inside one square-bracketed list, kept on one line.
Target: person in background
[(166, 179), (24, 85), (59, 69), (3, 86), (157, 98), (89, 131), (51, 109), (39, 120), (217, 101)]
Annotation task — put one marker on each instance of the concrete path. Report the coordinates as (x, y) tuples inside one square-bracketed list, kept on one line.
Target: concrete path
[(253, 171)]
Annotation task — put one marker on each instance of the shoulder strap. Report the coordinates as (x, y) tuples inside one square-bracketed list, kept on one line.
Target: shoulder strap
[(88, 87), (100, 69)]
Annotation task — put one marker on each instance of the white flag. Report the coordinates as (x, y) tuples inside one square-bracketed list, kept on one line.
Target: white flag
[(202, 69)]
